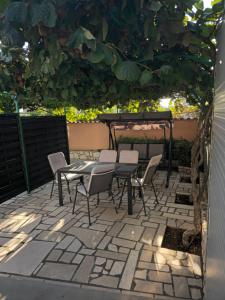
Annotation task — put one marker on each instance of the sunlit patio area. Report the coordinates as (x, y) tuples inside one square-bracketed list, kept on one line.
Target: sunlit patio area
[(120, 252)]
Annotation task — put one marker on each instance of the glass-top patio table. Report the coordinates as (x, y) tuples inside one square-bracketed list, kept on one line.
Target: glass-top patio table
[(85, 167)]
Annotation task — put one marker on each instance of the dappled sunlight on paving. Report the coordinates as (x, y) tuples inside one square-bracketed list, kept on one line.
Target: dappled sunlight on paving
[(38, 238)]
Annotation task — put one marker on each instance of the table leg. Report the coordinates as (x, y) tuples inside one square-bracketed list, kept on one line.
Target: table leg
[(129, 196), (60, 188)]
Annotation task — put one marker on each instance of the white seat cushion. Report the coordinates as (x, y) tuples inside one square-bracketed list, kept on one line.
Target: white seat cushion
[(137, 182), (81, 189), (71, 176)]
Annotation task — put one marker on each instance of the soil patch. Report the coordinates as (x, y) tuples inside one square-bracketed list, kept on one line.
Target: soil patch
[(183, 199), (173, 240)]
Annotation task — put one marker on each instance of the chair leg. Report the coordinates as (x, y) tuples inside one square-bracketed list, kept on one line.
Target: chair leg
[(121, 198), (143, 200), (74, 202), (68, 188), (118, 182), (155, 193), (113, 200), (53, 183), (98, 199), (89, 216)]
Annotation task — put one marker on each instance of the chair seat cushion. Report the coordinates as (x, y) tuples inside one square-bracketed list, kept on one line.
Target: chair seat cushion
[(137, 182), (71, 176), (81, 189)]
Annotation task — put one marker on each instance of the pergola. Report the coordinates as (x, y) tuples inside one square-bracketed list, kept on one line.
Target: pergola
[(163, 118)]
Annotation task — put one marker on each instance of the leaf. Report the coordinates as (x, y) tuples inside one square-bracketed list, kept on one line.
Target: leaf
[(16, 12), (44, 13), (155, 6), (145, 78), (199, 5), (105, 29), (65, 94), (97, 56), (82, 36), (3, 5), (127, 70), (124, 4), (165, 70)]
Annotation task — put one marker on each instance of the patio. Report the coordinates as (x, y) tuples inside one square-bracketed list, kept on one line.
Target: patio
[(40, 239)]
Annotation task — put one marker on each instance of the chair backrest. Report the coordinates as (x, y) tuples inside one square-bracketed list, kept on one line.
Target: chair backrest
[(129, 156), (108, 156), (151, 168), (142, 149), (57, 160), (155, 149), (101, 179)]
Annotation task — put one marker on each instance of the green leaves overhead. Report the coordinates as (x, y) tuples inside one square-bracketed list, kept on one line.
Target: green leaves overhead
[(95, 52), (80, 37), (44, 13), (155, 5), (105, 29), (127, 70), (145, 78), (97, 56), (16, 12)]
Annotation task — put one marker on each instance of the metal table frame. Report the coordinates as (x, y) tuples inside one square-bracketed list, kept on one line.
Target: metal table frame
[(85, 167)]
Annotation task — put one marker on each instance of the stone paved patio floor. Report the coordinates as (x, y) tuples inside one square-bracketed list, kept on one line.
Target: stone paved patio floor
[(39, 239)]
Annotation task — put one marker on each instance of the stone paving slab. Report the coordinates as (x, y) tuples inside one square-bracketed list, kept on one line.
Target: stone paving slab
[(26, 259), (117, 252)]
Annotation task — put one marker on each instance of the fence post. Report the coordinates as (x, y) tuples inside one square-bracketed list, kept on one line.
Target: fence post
[(22, 145)]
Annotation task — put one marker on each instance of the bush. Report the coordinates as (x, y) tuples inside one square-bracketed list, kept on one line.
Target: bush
[(181, 149), (182, 152)]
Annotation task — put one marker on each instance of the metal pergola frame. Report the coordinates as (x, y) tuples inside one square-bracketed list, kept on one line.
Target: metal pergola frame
[(146, 117)]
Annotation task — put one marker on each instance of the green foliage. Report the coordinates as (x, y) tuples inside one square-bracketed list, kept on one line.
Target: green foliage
[(179, 107), (182, 152), (98, 53)]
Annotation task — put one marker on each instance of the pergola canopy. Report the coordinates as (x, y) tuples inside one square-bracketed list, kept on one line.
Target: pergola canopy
[(136, 117), (164, 117)]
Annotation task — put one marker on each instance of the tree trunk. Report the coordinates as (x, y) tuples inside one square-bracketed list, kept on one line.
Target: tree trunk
[(199, 185)]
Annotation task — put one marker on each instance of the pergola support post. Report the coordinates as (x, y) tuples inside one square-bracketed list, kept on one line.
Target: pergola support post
[(170, 154), (111, 142)]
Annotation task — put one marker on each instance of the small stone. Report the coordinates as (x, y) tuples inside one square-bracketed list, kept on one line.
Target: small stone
[(105, 272), (112, 247), (148, 287), (94, 275), (196, 294), (141, 274), (75, 246), (124, 250), (138, 246), (100, 261), (86, 251), (160, 276), (54, 255), (78, 259), (65, 243), (131, 232), (146, 256), (108, 264), (67, 257), (181, 287), (98, 269), (111, 255), (117, 268), (168, 288), (84, 270), (107, 281)]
